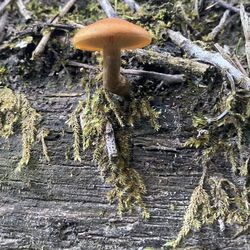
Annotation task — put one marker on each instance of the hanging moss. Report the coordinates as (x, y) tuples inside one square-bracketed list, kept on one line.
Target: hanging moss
[(225, 135), (89, 121), (15, 109)]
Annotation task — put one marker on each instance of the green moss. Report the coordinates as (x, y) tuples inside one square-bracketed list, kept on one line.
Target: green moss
[(15, 109), (3, 71), (199, 211), (89, 121), (224, 201)]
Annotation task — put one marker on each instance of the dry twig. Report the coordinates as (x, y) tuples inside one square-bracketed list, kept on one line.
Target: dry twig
[(4, 4), (133, 5), (217, 118), (3, 21), (178, 63), (43, 42), (211, 36), (26, 14), (108, 9), (227, 6), (210, 57), (69, 27), (245, 20), (156, 75)]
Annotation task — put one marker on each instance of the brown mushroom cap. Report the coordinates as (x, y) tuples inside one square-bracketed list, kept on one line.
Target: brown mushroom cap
[(111, 33)]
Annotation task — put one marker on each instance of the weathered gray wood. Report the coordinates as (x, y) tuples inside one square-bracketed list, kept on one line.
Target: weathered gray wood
[(62, 204)]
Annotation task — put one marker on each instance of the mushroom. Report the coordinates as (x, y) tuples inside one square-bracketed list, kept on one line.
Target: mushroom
[(110, 35)]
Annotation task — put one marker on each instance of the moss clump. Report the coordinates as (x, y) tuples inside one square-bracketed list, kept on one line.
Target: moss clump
[(15, 109), (226, 134), (90, 119), (221, 201)]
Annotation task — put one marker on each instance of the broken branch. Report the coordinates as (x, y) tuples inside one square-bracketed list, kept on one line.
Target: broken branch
[(245, 20), (43, 42), (4, 4), (227, 6), (108, 9), (3, 21), (160, 76), (211, 36), (177, 63), (22, 9), (213, 58), (133, 5)]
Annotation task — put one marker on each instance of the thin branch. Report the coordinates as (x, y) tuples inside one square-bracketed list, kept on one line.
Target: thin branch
[(225, 54), (3, 21), (177, 63), (227, 6), (108, 9), (211, 36), (211, 57), (180, 78), (26, 14), (43, 42), (198, 6), (245, 20), (4, 4), (81, 65), (217, 118), (151, 74), (133, 5), (69, 27), (238, 64)]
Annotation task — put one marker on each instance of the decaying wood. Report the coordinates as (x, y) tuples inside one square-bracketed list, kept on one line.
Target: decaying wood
[(216, 30), (108, 9), (43, 42), (168, 78), (210, 57), (62, 204), (26, 14), (245, 20), (178, 63), (110, 142)]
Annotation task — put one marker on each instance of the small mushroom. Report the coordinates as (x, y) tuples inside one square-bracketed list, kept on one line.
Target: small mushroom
[(110, 35)]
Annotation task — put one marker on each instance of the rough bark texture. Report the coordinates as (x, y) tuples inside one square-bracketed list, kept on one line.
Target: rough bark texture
[(62, 204)]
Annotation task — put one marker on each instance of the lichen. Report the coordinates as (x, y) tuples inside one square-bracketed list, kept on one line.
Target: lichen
[(91, 116)]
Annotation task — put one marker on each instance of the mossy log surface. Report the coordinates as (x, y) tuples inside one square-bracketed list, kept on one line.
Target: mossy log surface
[(62, 204)]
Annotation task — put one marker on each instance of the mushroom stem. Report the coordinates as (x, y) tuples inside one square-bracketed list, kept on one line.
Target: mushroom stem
[(112, 79)]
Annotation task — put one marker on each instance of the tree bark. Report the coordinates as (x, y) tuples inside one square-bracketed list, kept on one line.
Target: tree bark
[(62, 204)]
